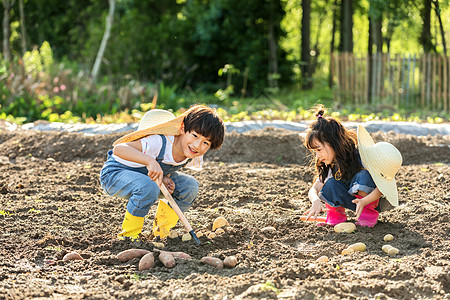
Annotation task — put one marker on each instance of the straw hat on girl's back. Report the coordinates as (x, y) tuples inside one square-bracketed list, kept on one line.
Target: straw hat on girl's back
[(382, 160), (155, 121)]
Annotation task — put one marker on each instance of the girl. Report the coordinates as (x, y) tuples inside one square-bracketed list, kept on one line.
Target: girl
[(341, 181)]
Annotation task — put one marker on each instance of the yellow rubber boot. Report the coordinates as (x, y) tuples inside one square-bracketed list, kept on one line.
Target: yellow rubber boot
[(165, 219), (131, 226)]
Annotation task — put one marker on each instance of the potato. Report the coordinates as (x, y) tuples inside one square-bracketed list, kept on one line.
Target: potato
[(392, 251), (346, 227), (211, 235), (147, 261), (386, 248), (186, 237), (230, 262), (268, 229), (173, 234), (388, 237), (219, 222), (181, 255), (322, 259), (131, 253), (72, 256), (219, 231), (361, 247), (158, 245), (347, 251), (212, 261), (167, 259)]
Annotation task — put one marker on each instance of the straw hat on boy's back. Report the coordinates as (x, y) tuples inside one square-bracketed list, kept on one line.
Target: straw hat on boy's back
[(382, 160), (155, 121)]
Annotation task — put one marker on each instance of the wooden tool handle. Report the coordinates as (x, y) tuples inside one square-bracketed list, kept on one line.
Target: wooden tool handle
[(175, 207)]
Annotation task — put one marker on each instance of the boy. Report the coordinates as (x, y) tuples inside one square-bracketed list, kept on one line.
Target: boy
[(143, 160)]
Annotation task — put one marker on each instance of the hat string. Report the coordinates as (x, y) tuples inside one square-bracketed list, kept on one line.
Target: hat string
[(175, 146)]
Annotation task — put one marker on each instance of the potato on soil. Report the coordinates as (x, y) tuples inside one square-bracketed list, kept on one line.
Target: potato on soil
[(212, 261), (186, 237), (167, 259), (386, 248), (361, 247), (393, 251), (219, 222), (219, 231), (147, 262), (268, 229), (388, 237), (347, 251), (322, 259), (211, 235), (181, 255), (346, 227), (126, 255), (230, 262), (72, 256)]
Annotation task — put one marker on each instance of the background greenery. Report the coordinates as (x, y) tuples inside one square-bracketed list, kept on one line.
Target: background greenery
[(193, 51)]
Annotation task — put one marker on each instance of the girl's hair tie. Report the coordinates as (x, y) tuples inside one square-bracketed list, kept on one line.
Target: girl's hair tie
[(319, 116)]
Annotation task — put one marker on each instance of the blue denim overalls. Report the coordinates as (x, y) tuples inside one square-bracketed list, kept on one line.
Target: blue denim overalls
[(341, 193), (135, 185)]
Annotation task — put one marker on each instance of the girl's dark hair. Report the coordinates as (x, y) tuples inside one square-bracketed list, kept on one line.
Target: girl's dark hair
[(331, 131), (205, 121)]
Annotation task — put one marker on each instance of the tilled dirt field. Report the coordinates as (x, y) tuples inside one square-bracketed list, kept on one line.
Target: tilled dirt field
[(52, 204)]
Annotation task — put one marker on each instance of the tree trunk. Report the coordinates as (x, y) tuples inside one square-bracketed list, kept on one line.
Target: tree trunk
[(438, 15), (273, 62), (305, 64), (425, 36), (101, 50), (369, 60), (7, 5), (333, 36), (22, 28), (347, 26)]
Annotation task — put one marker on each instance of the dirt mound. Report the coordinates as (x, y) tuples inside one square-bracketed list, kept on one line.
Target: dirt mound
[(52, 204)]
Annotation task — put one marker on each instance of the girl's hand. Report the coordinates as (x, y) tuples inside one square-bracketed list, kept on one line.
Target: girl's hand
[(155, 172), (315, 209), (360, 203), (168, 182)]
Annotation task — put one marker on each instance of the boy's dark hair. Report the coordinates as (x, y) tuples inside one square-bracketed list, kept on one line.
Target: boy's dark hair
[(205, 121), (342, 141)]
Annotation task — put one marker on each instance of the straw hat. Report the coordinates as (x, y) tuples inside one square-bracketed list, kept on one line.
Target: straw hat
[(155, 121), (382, 160)]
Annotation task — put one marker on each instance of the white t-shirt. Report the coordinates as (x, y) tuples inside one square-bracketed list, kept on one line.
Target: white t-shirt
[(151, 145)]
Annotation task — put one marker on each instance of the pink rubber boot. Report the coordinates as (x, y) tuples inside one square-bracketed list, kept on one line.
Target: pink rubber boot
[(369, 215), (335, 215)]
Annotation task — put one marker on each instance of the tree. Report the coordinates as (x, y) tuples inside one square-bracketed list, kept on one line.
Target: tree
[(441, 26), (101, 50), (22, 28), (425, 36), (7, 5), (305, 57), (347, 26)]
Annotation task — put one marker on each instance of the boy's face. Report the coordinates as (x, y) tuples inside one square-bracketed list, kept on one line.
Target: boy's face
[(194, 144)]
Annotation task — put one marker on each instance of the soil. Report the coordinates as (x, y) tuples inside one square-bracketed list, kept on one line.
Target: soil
[(52, 204)]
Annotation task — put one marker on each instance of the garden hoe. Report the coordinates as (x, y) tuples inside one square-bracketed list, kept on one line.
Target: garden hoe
[(167, 217)]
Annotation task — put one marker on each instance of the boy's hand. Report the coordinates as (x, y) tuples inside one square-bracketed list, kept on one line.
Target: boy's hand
[(315, 209), (168, 182), (155, 172)]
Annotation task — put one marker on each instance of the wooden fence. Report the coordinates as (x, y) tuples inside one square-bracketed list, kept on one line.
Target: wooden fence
[(400, 81)]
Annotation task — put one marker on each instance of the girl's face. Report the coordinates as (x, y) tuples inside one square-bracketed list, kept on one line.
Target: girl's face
[(194, 144), (324, 152)]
